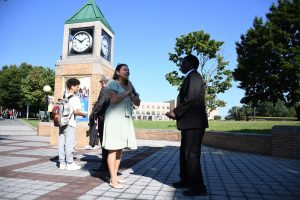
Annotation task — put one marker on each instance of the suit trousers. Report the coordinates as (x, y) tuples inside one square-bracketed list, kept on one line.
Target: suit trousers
[(190, 152)]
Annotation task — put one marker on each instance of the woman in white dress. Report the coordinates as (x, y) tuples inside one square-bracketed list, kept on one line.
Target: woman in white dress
[(118, 130)]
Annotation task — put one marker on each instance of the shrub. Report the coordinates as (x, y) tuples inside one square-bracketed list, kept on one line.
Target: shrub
[(217, 117)]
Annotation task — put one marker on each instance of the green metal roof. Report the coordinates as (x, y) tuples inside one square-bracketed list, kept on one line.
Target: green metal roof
[(88, 13)]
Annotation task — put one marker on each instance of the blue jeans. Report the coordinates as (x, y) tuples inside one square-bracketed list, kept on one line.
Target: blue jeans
[(66, 144)]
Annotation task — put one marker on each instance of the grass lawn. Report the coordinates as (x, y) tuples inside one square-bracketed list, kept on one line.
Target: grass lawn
[(33, 122), (229, 126)]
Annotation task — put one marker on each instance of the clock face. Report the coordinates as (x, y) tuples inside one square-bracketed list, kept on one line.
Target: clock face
[(105, 46), (82, 41)]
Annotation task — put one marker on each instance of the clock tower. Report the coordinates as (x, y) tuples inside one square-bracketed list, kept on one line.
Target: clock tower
[(87, 55)]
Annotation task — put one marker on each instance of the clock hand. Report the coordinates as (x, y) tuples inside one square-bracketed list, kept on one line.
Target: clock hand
[(78, 40)]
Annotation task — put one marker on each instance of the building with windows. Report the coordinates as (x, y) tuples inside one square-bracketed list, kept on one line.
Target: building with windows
[(151, 111), (156, 111)]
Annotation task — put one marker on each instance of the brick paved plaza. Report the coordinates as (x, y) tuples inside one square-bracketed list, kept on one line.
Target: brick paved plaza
[(28, 170)]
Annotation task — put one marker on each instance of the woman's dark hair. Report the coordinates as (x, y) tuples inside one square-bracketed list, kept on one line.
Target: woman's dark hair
[(116, 76), (72, 82), (118, 68)]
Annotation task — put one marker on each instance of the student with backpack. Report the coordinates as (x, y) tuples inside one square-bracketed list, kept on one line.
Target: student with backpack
[(67, 133)]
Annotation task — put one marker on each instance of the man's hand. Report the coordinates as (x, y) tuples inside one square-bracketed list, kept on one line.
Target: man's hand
[(171, 115), (88, 132)]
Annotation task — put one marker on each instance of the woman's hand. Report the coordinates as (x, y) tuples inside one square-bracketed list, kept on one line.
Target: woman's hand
[(134, 98), (129, 87)]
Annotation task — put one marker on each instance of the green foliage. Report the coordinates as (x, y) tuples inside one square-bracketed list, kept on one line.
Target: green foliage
[(266, 109), (22, 84), (32, 85), (217, 117), (269, 57), (10, 85), (279, 109), (212, 65), (234, 113)]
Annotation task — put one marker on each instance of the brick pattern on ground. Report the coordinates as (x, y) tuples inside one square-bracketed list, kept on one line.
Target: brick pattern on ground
[(30, 172)]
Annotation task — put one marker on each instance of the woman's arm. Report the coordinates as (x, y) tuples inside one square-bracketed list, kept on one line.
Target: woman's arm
[(135, 99), (116, 98)]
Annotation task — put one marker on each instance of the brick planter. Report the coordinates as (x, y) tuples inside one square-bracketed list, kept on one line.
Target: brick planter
[(250, 143), (154, 134), (286, 141)]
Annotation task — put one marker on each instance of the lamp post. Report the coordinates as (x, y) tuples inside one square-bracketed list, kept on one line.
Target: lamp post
[(47, 89)]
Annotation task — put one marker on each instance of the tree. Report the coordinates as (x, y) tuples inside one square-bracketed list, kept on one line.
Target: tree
[(278, 109), (33, 83), (24, 84), (10, 85), (212, 65), (269, 57), (235, 113)]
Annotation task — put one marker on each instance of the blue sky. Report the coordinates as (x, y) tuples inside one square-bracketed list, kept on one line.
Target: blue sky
[(145, 32)]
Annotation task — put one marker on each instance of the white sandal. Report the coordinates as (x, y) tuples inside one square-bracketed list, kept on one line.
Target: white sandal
[(122, 181), (118, 186)]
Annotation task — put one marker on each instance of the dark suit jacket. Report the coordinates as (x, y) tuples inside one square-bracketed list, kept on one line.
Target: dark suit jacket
[(100, 107), (190, 111)]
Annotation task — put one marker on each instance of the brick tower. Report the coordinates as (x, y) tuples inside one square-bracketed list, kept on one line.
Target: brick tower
[(87, 54)]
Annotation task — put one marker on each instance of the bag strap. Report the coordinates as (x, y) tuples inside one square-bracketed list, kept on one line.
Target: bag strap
[(71, 115), (69, 97)]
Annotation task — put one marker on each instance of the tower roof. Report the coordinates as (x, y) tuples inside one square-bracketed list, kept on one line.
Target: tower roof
[(88, 13)]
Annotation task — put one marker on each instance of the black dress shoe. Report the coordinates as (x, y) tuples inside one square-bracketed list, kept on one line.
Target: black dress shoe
[(194, 192), (180, 184)]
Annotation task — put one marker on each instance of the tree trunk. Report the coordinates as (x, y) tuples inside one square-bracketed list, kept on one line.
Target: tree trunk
[(297, 108)]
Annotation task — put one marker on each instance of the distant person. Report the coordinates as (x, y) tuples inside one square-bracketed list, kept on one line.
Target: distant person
[(191, 117), (67, 134), (11, 114), (15, 114), (118, 125)]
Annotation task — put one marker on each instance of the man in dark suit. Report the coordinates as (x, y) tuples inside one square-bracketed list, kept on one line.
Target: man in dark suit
[(191, 118), (98, 113)]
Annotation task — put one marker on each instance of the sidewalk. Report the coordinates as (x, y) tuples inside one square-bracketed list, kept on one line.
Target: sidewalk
[(28, 170)]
